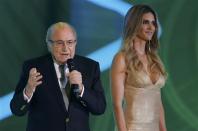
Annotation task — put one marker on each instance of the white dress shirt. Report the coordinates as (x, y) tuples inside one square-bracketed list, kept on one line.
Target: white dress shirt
[(58, 74)]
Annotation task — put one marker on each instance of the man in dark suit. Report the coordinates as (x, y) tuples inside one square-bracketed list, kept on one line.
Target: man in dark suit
[(43, 90)]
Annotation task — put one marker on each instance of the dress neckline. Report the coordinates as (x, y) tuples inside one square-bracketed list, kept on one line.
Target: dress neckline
[(151, 81)]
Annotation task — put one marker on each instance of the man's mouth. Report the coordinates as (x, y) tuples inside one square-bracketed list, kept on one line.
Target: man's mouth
[(65, 54)]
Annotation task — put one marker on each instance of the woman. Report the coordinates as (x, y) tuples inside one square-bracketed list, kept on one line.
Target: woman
[(138, 74)]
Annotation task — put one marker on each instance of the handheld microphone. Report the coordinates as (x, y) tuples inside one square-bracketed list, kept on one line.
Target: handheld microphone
[(74, 87)]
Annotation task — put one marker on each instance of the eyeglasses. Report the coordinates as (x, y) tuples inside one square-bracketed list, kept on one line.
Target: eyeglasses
[(60, 43)]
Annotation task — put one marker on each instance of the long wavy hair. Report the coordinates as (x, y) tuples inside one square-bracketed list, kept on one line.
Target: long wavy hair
[(132, 24)]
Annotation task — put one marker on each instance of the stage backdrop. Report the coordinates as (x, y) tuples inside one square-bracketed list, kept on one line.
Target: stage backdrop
[(99, 23)]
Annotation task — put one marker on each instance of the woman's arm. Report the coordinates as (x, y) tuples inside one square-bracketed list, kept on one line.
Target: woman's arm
[(117, 83), (162, 123)]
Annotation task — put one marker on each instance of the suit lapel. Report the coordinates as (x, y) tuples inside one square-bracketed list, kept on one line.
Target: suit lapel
[(53, 83)]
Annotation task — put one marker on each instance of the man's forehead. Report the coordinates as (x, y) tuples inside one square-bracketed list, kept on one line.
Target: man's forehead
[(63, 31)]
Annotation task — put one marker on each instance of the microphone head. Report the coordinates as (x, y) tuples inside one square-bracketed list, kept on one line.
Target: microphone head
[(70, 64)]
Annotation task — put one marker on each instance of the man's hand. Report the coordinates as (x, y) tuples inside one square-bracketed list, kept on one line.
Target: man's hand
[(75, 77), (33, 81)]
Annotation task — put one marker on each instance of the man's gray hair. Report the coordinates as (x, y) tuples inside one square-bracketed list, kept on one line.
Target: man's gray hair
[(59, 25)]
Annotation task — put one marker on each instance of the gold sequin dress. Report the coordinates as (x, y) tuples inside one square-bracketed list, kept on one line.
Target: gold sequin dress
[(143, 99)]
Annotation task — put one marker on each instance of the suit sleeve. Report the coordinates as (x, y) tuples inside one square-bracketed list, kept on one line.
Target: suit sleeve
[(93, 98), (18, 105)]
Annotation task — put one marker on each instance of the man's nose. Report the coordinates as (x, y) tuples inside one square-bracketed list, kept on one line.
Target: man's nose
[(65, 47)]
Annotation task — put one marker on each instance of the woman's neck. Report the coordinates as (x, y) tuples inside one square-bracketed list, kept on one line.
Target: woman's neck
[(139, 46)]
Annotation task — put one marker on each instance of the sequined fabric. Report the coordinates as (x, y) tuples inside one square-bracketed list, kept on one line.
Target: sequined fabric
[(142, 102)]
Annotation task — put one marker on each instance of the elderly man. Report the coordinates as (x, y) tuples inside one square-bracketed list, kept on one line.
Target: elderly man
[(46, 87)]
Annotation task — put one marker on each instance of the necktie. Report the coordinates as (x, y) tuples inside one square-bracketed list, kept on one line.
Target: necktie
[(62, 78), (63, 81)]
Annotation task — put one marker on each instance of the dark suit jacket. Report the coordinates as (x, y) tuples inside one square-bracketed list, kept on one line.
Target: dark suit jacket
[(46, 110)]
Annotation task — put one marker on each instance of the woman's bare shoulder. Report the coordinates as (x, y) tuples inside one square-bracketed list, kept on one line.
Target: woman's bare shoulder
[(119, 57), (119, 61)]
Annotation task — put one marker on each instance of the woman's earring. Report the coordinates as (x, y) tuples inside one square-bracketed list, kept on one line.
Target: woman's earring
[(149, 45), (132, 47)]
